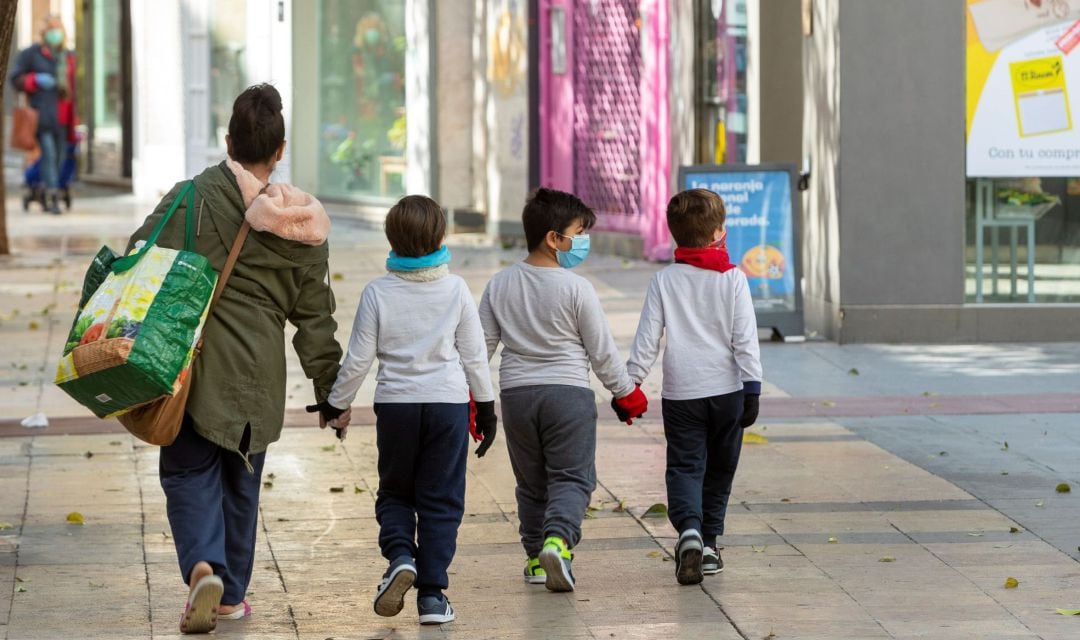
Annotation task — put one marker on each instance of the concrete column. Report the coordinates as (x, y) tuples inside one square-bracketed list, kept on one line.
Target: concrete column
[(506, 115), (158, 100), (454, 118), (420, 98), (821, 146)]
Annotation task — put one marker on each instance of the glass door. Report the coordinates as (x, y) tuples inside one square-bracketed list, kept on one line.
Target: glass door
[(722, 95)]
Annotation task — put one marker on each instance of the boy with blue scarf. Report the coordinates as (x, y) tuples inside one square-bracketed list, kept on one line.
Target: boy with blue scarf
[(422, 324), (552, 328)]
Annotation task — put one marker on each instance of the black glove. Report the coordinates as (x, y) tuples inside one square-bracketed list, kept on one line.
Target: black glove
[(622, 414), (486, 425), (750, 409), (326, 410)]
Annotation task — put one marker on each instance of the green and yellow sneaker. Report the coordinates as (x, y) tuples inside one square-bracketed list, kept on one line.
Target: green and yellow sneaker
[(534, 573), (555, 558)]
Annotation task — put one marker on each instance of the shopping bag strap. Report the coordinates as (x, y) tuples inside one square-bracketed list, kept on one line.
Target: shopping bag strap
[(187, 191), (230, 262)]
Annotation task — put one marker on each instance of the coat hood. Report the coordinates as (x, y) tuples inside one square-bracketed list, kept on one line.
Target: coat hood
[(289, 227)]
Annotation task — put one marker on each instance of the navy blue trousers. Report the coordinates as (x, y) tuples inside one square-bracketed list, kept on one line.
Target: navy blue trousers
[(704, 441), (213, 504), (421, 497)]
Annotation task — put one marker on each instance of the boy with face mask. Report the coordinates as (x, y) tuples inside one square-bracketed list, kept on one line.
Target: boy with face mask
[(552, 328), (712, 375)]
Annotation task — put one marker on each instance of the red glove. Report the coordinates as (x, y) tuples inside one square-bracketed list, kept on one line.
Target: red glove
[(476, 435), (631, 406)]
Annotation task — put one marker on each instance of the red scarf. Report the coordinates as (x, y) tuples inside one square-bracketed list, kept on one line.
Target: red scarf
[(714, 257)]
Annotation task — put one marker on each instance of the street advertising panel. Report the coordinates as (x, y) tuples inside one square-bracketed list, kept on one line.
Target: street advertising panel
[(1023, 88), (762, 234)]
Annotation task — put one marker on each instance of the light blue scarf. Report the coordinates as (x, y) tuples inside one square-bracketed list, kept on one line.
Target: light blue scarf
[(437, 259)]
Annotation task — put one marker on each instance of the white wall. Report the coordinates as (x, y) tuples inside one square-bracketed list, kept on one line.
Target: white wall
[(158, 95)]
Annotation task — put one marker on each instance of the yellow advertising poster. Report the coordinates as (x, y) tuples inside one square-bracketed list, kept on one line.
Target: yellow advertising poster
[(1022, 73)]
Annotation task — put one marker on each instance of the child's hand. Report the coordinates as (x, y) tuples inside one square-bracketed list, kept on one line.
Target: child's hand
[(630, 406), (327, 412), (485, 424), (750, 409)]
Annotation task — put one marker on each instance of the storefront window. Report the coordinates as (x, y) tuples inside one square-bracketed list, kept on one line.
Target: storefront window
[(362, 98), (1029, 233), (107, 101), (722, 101), (1023, 188), (228, 76)]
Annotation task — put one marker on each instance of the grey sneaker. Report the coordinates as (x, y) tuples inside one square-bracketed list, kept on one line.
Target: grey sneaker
[(711, 562), (398, 579), (434, 609), (688, 557)]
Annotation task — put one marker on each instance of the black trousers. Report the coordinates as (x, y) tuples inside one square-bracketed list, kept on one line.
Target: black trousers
[(704, 440)]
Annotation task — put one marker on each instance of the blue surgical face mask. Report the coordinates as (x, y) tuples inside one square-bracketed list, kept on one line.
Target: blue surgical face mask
[(579, 250), (54, 37)]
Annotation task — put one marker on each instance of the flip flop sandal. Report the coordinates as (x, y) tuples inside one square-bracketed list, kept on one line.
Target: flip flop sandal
[(242, 612), (200, 613)]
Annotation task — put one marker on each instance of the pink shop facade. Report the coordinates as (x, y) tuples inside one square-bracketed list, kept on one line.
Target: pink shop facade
[(630, 89)]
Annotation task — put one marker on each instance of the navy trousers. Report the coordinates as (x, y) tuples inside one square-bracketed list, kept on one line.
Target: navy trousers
[(704, 441), (213, 504), (421, 497)]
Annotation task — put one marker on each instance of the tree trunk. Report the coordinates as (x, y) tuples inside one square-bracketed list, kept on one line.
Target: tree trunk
[(7, 30)]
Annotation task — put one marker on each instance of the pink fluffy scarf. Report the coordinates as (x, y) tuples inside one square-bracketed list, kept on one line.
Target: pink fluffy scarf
[(281, 209)]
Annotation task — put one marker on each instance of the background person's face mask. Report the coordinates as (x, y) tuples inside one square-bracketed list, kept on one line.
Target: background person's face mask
[(54, 37), (579, 250)]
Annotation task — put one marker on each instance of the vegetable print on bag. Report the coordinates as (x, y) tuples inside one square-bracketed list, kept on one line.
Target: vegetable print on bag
[(133, 339)]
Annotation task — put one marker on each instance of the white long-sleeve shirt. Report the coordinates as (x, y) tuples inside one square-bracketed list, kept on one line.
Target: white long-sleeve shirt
[(552, 327), (712, 344), (428, 340)]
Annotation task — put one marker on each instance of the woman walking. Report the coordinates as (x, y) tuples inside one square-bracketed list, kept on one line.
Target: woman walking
[(46, 73), (211, 474)]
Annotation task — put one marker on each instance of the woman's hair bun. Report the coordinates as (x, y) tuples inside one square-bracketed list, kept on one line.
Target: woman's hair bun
[(257, 127)]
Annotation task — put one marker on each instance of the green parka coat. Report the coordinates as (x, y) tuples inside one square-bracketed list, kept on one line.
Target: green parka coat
[(239, 379)]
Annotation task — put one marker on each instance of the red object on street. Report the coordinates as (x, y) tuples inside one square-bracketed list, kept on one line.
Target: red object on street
[(1068, 40)]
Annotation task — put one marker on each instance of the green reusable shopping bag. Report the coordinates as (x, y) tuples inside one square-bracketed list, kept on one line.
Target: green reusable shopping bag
[(135, 334)]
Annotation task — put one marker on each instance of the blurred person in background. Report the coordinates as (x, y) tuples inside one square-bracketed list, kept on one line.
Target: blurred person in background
[(45, 72)]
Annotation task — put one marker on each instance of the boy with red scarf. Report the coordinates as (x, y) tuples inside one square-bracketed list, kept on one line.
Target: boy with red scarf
[(712, 375)]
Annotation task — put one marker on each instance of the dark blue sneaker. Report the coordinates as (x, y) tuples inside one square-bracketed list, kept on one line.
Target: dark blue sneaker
[(398, 579), (688, 553), (434, 609)]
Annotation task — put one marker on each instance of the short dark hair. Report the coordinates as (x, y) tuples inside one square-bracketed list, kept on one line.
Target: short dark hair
[(552, 210), (415, 226), (694, 215), (256, 127)]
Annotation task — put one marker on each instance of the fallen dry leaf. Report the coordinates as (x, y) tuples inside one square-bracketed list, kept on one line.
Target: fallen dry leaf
[(338, 277), (20, 589), (975, 534), (75, 518), (833, 540), (1063, 488), (749, 437), (653, 554), (620, 508), (1069, 612), (886, 559), (268, 484), (1011, 583), (357, 489), (329, 447), (853, 371), (337, 489), (658, 510), (1013, 530), (760, 549), (1040, 503), (6, 525), (828, 403)]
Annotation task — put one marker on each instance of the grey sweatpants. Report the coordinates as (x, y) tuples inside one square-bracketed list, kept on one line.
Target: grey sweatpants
[(551, 435)]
